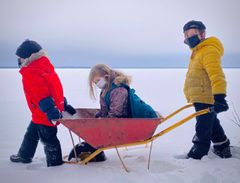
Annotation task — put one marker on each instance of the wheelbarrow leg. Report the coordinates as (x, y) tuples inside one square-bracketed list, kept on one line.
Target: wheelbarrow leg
[(124, 166), (74, 149), (150, 154)]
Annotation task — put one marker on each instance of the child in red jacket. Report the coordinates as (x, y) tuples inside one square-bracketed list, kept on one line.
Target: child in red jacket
[(44, 94)]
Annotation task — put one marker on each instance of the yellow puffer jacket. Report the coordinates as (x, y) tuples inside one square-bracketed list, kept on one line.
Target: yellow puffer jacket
[(205, 76)]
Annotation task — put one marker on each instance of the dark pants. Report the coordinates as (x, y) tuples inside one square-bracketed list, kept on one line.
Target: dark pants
[(208, 128), (48, 136)]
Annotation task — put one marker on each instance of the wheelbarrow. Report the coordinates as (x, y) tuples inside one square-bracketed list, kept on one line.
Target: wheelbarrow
[(113, 133)]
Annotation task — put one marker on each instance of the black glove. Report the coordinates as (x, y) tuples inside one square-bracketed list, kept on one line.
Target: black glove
[(47, 106), (220, 104), (68, 107), (54, 114)]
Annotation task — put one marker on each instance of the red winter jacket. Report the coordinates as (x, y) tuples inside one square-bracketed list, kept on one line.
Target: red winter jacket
[(40, 81)]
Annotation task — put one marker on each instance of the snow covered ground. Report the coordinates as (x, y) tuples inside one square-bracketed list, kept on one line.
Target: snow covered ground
[(162, 88)]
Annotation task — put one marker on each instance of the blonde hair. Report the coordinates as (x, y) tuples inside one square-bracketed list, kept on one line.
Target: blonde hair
[(110, 75)]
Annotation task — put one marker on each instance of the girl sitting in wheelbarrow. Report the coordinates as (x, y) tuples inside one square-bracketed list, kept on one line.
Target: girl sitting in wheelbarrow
[(117, 100), (107, 79)]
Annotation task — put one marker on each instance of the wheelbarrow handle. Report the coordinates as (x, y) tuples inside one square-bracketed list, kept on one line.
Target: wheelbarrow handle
[(176, 112), (175, 125)]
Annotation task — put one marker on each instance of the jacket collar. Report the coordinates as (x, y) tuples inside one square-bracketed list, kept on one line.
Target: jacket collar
[(211, 41), (33, 57)]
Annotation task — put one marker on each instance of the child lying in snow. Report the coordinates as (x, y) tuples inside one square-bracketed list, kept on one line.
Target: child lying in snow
[(117, 100)]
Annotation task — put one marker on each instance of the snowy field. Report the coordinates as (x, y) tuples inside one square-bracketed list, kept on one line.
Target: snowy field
[(163, 89)]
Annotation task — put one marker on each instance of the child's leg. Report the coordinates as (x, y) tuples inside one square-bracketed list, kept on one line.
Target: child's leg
[(52, 147), (202, 138), (218, 134), (30, 142), (220, 141)]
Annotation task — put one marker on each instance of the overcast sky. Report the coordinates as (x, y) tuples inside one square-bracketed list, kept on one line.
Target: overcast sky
[(133, 27)]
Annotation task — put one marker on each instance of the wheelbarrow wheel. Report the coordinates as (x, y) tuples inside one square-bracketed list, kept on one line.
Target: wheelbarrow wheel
[(84, 150)]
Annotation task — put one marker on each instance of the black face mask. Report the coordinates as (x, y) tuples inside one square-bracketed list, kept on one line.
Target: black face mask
[(192, 41), (19, 62)]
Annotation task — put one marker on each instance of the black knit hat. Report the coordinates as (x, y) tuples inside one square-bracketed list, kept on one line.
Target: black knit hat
[(27, 48), (193, 24)]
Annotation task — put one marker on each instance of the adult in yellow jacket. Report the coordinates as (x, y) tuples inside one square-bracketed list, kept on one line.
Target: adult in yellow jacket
[(205, 86)]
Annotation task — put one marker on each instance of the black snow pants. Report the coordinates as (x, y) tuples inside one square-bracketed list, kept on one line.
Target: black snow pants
[(48, 136), (208, 128)]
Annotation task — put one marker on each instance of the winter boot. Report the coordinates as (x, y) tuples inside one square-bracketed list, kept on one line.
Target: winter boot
[(196, 153), (17, 159), (222, 150), (53, 155), (84, 150)]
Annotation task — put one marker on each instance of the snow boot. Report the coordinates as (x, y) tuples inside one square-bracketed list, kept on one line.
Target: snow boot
[(53, 155), (17, 159), (84, 150), (222, 150), (196, 153), (224, 153)]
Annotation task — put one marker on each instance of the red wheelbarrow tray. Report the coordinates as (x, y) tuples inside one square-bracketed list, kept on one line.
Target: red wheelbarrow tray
[(106, 132)]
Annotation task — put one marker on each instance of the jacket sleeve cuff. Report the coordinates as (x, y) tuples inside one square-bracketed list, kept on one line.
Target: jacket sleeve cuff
[(46, 104), (219, 97)]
